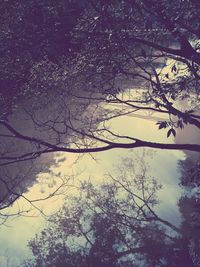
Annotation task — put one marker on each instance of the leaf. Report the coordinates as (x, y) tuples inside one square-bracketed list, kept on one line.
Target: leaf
[(162, 124), (173, 69), (180, 124), (171, 131), (173, 96), (168, 133)]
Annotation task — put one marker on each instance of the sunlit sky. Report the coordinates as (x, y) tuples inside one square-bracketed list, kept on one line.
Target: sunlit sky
[(163, 166)]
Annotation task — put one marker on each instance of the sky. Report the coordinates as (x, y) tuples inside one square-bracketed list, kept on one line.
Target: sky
[(163, 166)]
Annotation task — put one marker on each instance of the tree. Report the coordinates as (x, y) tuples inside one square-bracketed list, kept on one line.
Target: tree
[(189, 205), (113, 224), (190, 170), (76, 58)]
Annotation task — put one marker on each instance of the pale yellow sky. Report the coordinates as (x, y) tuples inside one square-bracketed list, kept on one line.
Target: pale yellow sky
[(163, 166)]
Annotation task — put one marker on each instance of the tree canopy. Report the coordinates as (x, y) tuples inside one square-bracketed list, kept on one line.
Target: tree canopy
[(65, 66), (115, 224)]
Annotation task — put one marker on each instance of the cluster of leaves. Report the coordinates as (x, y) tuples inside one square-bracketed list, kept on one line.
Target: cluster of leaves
[(113, 224), (190, 171), (30, 32), (169, 124), (56, 53), (190, 202)]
